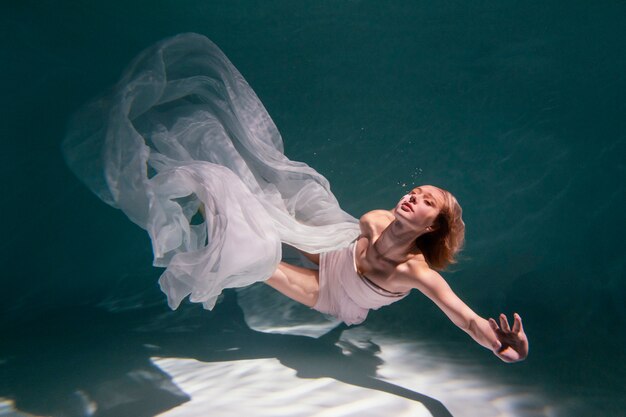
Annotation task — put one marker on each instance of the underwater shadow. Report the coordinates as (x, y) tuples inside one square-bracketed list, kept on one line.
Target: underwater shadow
[(85, 361)]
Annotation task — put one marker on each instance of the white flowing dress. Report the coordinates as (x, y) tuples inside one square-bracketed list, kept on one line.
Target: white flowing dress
[(183, 128)]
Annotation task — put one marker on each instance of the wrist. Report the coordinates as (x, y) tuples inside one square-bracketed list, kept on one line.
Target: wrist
[(482, 333)]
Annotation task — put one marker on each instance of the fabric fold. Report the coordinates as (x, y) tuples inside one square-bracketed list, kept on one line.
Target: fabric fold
[(181, 129)]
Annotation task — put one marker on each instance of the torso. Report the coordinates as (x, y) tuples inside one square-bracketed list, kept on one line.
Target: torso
[(388, 272)]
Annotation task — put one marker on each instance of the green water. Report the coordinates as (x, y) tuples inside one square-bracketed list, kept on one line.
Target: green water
[(516, 107)]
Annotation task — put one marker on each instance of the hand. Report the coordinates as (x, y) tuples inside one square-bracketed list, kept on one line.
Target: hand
[(512, 344)]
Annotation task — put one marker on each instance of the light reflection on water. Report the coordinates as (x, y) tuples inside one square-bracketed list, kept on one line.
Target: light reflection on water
[(146, 361), (256, 354), (264, 387)]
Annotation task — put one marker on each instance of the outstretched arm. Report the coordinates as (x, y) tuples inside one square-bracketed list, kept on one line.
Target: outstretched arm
[(510, 345)]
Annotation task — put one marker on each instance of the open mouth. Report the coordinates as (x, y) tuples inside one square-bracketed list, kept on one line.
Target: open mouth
[(406, 207)]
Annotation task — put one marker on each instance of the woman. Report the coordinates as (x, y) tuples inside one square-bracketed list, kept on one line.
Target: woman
[(396, 252), (182, 131)]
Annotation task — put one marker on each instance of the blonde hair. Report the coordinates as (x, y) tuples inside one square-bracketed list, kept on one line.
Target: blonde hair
[(441, 246)]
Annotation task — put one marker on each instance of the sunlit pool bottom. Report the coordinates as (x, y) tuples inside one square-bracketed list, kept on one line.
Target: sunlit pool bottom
[(265, 387), (195, 363)]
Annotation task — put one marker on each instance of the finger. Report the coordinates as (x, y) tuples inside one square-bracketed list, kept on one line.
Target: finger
[(508, 355), (494, 325), (496, 345), (504, 323), (517, 323)]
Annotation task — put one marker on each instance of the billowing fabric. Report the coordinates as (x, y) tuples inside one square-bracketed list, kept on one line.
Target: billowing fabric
[(345, 294), (182, 129)]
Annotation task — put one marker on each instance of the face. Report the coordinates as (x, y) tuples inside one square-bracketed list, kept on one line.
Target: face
[(420, 207)]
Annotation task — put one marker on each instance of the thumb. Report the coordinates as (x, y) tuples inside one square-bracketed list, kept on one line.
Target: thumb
[(497, 345)]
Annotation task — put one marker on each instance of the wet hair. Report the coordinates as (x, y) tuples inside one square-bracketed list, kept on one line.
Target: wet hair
[(441, 246)]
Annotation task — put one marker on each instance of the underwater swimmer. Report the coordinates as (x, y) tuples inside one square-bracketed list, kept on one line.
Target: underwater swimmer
[(399, 250), (183, 131)]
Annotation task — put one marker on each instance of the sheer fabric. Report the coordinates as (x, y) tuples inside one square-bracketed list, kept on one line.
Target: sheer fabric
[(182, 129)]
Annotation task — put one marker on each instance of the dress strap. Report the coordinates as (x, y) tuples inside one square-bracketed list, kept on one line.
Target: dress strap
[(380, 290), (371, 284)]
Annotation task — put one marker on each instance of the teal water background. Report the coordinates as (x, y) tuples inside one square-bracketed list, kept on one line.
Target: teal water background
[(518, 108)]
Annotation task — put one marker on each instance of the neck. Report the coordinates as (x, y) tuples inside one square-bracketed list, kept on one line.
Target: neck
[(396, 242)]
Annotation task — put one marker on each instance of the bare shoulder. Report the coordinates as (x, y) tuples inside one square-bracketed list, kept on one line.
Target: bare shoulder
[(416, 273), (374, 222), (376, 215)]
